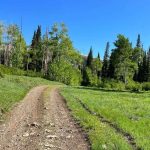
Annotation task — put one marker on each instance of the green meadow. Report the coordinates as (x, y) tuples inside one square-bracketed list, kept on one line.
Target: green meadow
[(113, 120)]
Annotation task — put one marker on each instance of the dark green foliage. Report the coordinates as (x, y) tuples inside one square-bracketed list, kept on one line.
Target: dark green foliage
[(105, 67), (36, 51), (99, 66), (85, 79), (111, 69), (146, 86), (143, 71), (1, 75), (137, 57), (139, 73), (112, 84), (90, 59), (11, 71), (88, 63), (121, 59), (92, 70), (144, 68), (148, 66), (98, 56), (138, 44), (133, 86), (90, 78)]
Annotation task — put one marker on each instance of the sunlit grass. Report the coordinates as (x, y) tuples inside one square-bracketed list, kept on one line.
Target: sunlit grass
[(129, 111)]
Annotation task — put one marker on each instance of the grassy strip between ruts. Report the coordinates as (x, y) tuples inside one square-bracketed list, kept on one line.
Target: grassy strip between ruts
[(14, 88), (116, 107)]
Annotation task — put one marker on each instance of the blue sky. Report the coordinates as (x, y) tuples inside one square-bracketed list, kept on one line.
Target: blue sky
[(90, 22)]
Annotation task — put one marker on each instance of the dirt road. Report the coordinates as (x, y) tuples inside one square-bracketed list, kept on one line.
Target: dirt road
[(41, 122)]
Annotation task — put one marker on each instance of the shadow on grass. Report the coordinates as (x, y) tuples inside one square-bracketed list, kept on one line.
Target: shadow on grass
[(107, 90)]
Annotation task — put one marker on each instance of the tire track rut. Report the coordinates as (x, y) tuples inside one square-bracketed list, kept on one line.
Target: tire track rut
[(127, 136)]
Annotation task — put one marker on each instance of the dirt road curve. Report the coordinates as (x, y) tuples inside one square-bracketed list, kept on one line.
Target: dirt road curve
[(41, 122)]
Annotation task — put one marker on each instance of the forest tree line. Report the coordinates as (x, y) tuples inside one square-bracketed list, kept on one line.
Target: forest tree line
[(54, 56)]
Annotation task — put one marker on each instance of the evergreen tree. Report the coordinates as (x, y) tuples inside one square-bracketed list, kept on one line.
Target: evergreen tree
[(99, 70), (140, 73), (91, 72), (144, 68), (138, 44), (33, 43), (90, 59), (148, 65), (106, 62), (123, 64), (85, 78), (38, 35), (97, 66), (32, 54), (98, 56), (36, 51), (137, 57), (111, 68)]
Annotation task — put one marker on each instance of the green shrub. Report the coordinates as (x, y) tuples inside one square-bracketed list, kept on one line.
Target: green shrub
[(134, 86), (92, 78), (112, 84), (1, 75), (64, 72), (11, 71), (31, 73), (105, 84), (18, 72), (146, 86), (118, 85)]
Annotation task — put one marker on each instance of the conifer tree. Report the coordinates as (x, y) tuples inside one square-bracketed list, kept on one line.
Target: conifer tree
[(38, 35), (138, 44), (148, 65), (97, 66), (144, 68), (98, 56), (90, 59), (98, 71), (89, 64), (36, 51), (85, 78), (32, 54), (106, 62), (111, 68), (123, 64), (33, 43), (137, 57)]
